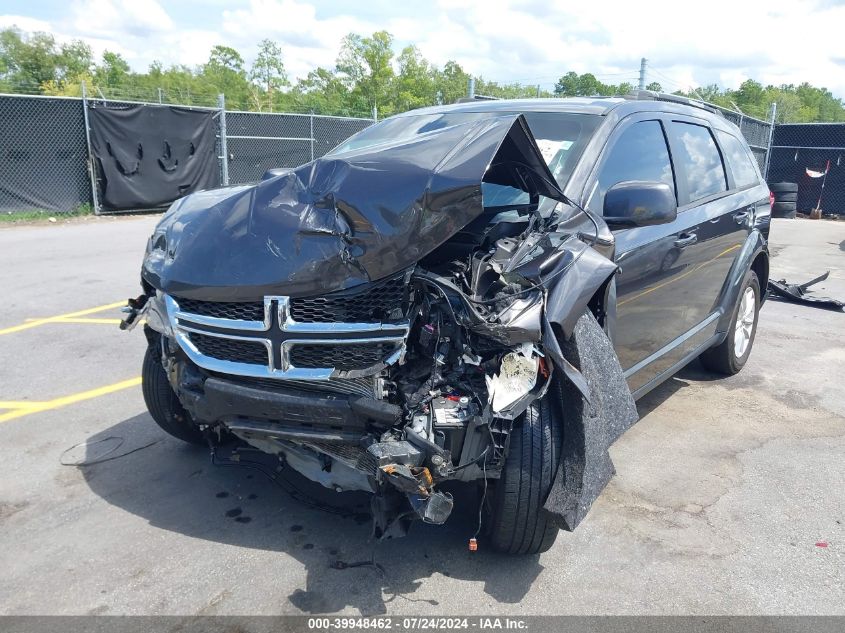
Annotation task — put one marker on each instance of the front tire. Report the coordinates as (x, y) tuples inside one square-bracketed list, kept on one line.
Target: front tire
[(731, 355), (516, 521), (162, 403)]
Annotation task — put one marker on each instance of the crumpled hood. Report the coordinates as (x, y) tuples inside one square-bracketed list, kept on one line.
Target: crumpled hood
[(343, 220)]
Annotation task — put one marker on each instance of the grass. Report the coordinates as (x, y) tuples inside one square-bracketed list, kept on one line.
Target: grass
[(41, 215)]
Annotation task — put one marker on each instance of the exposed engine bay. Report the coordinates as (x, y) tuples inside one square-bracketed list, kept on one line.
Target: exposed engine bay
[(395, 383)]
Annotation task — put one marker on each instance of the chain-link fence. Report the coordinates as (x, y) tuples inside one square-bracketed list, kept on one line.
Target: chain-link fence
[(811, 158), (46, 156), (43, 157), (756, 132), (46, 167), (256, 141)]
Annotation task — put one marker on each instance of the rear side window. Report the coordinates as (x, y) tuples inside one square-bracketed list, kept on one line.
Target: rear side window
[(705, 174), (640, 153), (738, 159)]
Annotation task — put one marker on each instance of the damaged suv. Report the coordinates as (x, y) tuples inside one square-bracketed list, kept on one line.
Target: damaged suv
[(476, 292)]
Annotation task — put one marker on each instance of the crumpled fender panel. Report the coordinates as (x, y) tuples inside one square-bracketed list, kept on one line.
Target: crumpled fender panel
[(343, 220), (589, 427)]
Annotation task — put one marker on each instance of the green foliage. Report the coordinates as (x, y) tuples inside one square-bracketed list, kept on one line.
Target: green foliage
[(367, 76)]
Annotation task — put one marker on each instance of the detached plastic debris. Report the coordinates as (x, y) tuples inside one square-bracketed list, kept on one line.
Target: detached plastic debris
[(798, 293), (517, 376)]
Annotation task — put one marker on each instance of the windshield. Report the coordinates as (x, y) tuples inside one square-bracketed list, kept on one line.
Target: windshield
[(561, 137)]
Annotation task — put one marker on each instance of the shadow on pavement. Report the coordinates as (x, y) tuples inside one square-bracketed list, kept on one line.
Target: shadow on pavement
[(175, 487)]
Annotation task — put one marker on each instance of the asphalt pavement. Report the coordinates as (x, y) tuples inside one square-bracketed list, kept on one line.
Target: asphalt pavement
[(728, 497)]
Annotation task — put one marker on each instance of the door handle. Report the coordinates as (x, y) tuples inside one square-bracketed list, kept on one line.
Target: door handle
[(686, 239), (740, 216)]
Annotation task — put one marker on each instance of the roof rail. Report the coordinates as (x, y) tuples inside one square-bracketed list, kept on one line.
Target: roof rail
[(477, 97), (651, 95)]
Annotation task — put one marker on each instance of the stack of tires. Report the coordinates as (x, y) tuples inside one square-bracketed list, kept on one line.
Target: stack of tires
[(786, 199)]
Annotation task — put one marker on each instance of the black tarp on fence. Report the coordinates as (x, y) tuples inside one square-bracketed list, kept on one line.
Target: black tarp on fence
[(797, 148), (147, 156), (43, 155)]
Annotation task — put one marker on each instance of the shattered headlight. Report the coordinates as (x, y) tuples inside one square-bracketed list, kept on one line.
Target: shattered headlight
[(516, 378)]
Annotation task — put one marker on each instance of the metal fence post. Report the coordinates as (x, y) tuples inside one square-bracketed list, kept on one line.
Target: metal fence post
[(92, 169), (769, 145), (224, 152), (312, 134)]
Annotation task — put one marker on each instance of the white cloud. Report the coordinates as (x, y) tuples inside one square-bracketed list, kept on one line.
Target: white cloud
[(533, 41)]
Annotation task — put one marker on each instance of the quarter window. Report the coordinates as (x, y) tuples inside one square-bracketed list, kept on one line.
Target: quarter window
[(640, 153), (700, 157), (738, 160)]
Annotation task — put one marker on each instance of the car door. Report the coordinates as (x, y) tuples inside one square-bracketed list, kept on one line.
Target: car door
[(716, 223), (650, 319)]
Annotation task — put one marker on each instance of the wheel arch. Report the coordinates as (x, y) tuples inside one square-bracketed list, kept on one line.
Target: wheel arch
[(754, 255)]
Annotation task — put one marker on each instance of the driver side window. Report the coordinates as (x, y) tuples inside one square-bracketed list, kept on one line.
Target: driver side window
[(640, 153)]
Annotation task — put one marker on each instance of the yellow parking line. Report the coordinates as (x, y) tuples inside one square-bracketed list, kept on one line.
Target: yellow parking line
[(18, 404), (70, 315), (56, 403), (87, 320)]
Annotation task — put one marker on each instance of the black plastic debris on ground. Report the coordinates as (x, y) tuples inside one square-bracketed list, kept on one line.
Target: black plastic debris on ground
[(798, 293)]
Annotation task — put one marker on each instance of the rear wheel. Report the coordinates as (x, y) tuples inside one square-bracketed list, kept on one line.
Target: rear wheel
[(162, 403), (730, 357), (516, 521)]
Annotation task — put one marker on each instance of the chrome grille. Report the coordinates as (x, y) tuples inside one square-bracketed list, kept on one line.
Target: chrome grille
[(344, 357), (253, 311), (272, 339), (376, 302), (237, 351)]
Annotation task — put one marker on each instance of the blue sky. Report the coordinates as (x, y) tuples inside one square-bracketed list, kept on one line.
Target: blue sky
[(532, 41)]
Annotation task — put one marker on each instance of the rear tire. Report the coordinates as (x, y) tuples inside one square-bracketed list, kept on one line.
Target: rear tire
[(730, 356), (162, 403), (783, 210), (517, 523), (786, 187)]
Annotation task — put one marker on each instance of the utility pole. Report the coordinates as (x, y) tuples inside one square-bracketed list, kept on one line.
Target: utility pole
[(471, 88), (643, 62)]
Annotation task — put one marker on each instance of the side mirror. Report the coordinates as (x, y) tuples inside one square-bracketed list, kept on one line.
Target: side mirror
[(639, 203)]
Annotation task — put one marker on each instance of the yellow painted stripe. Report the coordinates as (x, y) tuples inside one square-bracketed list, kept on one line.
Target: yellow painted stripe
[(679, 277), (70, 315), (87, 320), (64, 401), (18, 404)]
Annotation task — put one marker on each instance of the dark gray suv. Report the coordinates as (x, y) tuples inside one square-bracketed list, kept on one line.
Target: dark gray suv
[(476, 292)]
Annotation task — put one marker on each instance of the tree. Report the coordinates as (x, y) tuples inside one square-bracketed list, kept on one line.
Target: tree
[(415, 83), (114, 71), (568, 85), (365, 62), (654, 86), (224, 73), (28, 60), (268, 73), (75, 59), (452, 82), (367, 75)]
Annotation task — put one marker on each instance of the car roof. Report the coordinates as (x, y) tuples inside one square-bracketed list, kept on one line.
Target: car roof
[(582, 105), (643, 101)]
